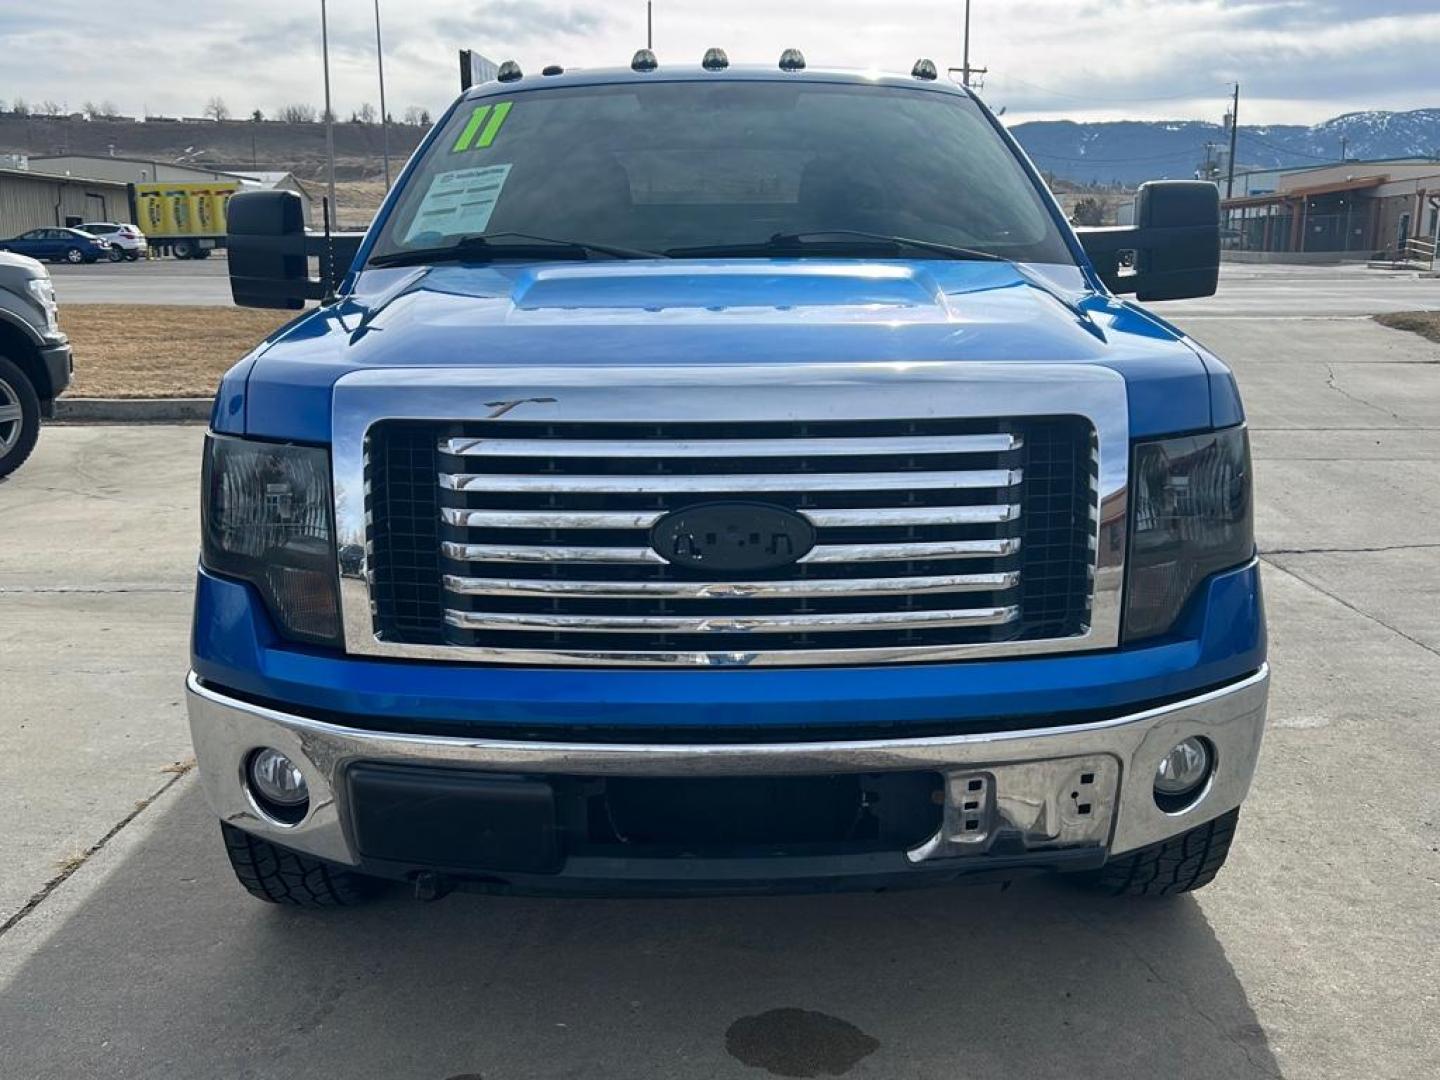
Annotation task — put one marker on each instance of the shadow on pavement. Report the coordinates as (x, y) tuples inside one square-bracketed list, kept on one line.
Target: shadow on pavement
[(170, 970)]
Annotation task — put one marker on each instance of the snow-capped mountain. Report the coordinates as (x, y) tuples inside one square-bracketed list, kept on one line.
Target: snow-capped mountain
[(1131, 151)]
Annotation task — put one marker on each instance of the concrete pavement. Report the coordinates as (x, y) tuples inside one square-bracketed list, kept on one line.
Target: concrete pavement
[(1312, 956)]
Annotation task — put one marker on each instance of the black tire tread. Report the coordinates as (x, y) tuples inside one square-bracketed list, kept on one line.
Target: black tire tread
[(280, 876), (1180, 864), (30, 405)]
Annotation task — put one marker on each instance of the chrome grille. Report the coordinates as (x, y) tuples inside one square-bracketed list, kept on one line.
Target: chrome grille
[(529, 542)]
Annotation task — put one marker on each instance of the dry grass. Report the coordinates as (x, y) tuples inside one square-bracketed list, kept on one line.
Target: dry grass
[(357, 201), (132, 350), (1424, 323)]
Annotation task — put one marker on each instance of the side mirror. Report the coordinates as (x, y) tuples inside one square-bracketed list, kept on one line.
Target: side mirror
[(1172, 252), (270, 251)]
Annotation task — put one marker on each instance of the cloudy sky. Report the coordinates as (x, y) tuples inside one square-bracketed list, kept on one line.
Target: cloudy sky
[(1299, 61)]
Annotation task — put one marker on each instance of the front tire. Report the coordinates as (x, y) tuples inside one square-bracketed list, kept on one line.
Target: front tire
[(19, 416), (280, 876), (74, 256), (1181, 864)]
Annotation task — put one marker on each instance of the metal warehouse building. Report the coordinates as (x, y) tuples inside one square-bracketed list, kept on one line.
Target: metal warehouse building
[(30, 200)]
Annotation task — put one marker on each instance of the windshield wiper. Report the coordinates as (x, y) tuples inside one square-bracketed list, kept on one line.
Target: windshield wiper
[(794, 243), (483, 247)]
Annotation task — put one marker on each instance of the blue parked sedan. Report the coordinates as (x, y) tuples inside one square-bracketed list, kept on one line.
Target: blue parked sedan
[(69, 245)]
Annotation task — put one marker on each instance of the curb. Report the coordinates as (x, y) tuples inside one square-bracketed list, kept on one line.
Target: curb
[(133, 410)]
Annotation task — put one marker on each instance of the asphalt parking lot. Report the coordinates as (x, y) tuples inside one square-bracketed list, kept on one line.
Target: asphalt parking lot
[(126, 950)]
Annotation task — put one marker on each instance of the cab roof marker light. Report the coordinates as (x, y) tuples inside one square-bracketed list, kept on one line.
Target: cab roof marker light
[(715, 60), (792, 60), (644, 60), (924, 69), (509, 72), (552, 69)]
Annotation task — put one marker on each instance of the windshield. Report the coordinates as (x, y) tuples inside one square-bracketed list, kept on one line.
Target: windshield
[(670, 167)]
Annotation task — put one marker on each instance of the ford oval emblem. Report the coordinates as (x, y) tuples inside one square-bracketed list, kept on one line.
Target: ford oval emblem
[(733, 537)]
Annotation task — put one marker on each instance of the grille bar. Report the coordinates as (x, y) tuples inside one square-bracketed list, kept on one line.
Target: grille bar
[(834, 553), (721, 448), (943, 549), (640, 519), (732, 590), (632, 484), (846, 622)]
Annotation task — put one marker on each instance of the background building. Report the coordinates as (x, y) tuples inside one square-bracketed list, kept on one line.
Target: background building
[(1360, 209), (30, 199)]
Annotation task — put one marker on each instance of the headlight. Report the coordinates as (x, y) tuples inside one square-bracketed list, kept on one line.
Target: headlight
[(266, 518), (43, 290), (1190, 518)]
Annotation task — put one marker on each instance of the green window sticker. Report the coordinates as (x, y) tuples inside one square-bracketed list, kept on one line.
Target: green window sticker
[(485, 122)]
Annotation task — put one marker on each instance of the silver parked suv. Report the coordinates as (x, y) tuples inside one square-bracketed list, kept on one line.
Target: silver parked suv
[(35, 362)]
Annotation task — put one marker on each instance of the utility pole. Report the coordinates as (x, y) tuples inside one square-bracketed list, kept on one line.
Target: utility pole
[(329, 113), (650, 24), (1344, 147), (384, 117), (966, 70), (1234, 131)]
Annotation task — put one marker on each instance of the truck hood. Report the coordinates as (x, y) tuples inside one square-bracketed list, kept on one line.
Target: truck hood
[(706, 312)]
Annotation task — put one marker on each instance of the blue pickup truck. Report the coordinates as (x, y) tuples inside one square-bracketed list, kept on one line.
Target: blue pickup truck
[(706, 478)]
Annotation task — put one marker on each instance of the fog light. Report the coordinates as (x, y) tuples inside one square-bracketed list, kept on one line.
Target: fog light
[(278, 784), (1183, 769)]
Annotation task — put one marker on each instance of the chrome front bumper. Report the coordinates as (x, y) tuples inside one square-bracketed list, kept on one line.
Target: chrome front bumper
[(1040, 791)]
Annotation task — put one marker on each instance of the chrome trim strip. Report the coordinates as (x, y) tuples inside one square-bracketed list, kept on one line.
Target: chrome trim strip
[(550, 519), (521, 553), (758, 392), (645, 519), (938, 549), (226, 730), (826, 553), (561, 484), (732, 590), (857, 446), (856, 621), (913, 515)]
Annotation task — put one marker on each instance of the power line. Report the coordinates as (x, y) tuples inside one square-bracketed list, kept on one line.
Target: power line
[(1100, 97), (1177, 155)]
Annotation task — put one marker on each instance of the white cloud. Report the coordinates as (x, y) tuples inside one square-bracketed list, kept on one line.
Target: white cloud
[(1299, 60)]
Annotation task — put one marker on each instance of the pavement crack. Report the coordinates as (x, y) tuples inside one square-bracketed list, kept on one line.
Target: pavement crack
[(46, 590), (1349, 550), (1333, 385), (1349, 606), (75, 863)]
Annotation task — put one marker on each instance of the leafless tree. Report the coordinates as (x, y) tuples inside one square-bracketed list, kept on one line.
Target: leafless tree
[(216, 109), (297, 114), (1092, 210), (51, 108), (365, 114), (21, 107)]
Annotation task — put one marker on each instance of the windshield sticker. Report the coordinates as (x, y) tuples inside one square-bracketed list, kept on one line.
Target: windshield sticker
[(482, 114), (459, 202)]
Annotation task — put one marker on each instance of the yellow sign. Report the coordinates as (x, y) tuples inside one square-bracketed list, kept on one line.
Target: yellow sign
[(172, 208)]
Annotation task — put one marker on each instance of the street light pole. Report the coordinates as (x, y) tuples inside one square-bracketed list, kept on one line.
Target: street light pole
[(965, 70), (329, 112), (384, 117)]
